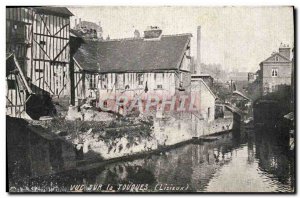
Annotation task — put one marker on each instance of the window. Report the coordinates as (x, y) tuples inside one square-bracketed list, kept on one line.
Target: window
[(11, 84), (19, 32), (140, 79), (104, 81), (42, 43), (92, 83), (208, 112), (120, 81), (276, 58), (181, 81), (41, 71), (274, 72), (159, 81)]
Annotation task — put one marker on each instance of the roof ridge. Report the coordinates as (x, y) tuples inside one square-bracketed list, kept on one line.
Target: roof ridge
[(208, 88), (133, 55), (278, 53), (142, 38)]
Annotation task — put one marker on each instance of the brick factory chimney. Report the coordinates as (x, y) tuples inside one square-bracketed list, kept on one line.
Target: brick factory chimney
[(198, 63)]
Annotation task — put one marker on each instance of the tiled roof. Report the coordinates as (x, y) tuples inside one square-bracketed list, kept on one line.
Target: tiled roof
[(133, 55)]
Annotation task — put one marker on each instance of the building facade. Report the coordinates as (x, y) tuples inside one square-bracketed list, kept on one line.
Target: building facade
[(157, 65), (38, 38), (205, 99), (276, 70)]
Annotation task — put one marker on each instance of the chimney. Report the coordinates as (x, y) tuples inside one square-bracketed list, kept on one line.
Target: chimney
[(75, 24), (79, 22), (285, 50), (198, 63), (152, 32), (136, 34)]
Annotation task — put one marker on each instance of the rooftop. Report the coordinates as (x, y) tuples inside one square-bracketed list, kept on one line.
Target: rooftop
[(61, 11), (133, 54)]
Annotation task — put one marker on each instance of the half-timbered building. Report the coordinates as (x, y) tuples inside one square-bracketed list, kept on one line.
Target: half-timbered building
[(38, 38), (156, 64)]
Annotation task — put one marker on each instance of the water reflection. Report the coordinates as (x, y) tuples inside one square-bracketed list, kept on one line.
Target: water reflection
[(246, 163)]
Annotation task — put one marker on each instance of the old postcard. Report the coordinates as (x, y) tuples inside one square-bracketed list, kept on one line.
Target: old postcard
[(150, 99)]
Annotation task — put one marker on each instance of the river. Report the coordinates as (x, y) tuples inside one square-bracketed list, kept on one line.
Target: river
[(251, 161)]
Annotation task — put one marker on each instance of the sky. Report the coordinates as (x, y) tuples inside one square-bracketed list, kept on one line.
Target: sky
[(238, 38)]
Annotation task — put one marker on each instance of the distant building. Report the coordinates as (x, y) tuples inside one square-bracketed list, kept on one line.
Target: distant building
[(89, 30), (252, 77), (157, 64), (206, 100), (238, 76), (276, 70), (240, 100), (208, 79)]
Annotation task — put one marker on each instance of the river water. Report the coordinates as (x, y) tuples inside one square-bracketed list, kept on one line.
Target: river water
[(251, 161)]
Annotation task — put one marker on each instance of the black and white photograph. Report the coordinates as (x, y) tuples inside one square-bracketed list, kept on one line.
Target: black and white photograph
[(150, 99)]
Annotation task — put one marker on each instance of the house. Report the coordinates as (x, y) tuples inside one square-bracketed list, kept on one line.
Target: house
[(205, 98), (276, 70), (240, 100), (207, 78), (38, 37), (89, 30), (156, 64)]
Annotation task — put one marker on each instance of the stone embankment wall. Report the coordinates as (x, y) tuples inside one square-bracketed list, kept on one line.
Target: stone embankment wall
[(165, 132)]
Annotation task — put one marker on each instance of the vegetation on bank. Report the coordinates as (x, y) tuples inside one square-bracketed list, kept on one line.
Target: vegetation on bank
[(131, 128)]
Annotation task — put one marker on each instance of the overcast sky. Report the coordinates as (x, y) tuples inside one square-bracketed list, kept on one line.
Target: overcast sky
[(238, 38)]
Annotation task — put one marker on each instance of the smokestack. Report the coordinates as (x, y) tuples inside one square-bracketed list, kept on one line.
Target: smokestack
[(79, 22), (197, 69), (75, 23)]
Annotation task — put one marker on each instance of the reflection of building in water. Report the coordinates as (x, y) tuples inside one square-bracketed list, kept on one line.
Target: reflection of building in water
[(251, 149), (274, 159)]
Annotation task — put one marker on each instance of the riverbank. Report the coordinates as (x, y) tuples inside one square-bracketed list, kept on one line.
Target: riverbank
[(206, 167), (126, 136)]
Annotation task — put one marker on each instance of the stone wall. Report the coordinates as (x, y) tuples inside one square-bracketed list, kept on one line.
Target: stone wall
[(165, 132)]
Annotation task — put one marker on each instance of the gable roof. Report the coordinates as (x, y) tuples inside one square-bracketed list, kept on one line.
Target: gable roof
[(241, 94), (272, 58), (207, 87), (61, 11), (133, 55)]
